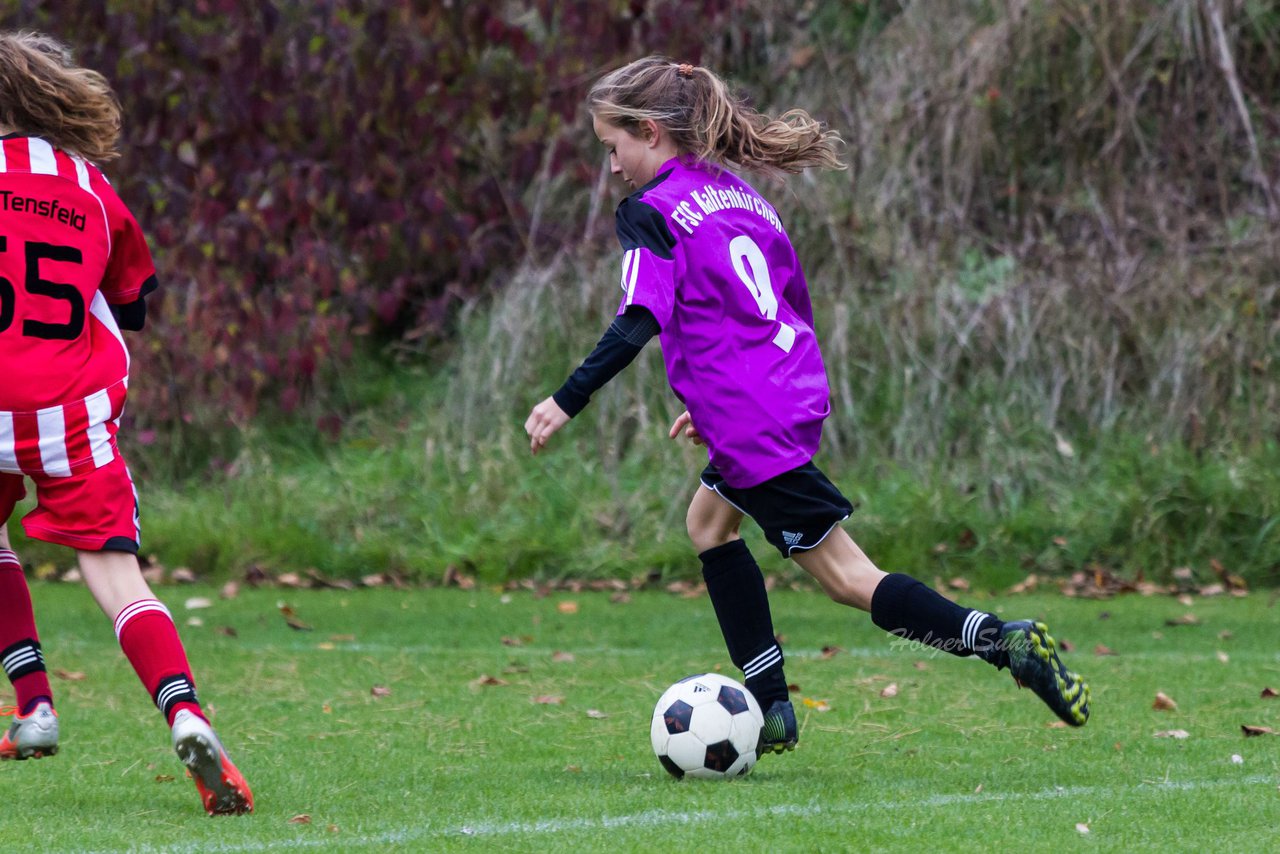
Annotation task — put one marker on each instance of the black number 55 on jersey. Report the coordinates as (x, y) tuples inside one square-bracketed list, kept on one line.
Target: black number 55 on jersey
[(35, 252)]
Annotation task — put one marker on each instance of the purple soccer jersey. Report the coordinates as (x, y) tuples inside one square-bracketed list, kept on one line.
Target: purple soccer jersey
[(708, 256)]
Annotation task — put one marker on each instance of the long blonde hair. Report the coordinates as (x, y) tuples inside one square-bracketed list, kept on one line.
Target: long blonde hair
[(705, 119), (44, 93)]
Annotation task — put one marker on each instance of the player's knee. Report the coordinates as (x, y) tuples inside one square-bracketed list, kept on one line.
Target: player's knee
[(707, 534)]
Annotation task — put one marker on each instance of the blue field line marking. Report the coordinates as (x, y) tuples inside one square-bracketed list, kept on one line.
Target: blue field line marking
[(661, 818)]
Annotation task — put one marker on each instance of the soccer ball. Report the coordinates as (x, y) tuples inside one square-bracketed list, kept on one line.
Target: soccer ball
[(706, 726)]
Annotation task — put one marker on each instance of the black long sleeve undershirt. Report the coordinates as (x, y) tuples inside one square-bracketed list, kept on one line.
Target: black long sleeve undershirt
[(132, 316), (621, 343)]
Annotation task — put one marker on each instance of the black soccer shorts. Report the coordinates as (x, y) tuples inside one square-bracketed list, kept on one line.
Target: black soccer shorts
[(796, 510)]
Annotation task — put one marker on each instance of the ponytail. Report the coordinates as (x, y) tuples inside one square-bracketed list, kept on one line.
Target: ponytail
[(706, 120)]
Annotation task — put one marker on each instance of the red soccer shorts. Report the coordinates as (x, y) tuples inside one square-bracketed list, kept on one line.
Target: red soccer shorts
[(93, 510)]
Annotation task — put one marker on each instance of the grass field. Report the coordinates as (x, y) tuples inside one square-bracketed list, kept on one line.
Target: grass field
[(556, 758)]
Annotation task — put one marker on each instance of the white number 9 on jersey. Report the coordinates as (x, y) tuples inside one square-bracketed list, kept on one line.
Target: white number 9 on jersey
[(752, 268)]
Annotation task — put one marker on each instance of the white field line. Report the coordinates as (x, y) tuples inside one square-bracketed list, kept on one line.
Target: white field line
[(888, 648), (657, 819)]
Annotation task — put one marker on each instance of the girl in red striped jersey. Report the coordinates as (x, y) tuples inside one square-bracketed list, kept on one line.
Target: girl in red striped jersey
[(74, 271)]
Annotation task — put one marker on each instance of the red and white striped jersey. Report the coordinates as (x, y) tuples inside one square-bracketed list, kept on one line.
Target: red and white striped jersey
[(68, 248)]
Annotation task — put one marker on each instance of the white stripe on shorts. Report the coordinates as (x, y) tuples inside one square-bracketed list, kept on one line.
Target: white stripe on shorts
[(53, 441), (8, 449)]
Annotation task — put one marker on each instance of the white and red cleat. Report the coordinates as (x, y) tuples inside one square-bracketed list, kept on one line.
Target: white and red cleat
[(30, 736), (222, 787)]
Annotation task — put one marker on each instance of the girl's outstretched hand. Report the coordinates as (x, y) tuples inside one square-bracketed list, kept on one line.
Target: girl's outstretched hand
[(685, 423), (545, 419)]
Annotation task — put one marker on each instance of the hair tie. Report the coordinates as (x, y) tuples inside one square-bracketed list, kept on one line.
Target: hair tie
[(684, 70)]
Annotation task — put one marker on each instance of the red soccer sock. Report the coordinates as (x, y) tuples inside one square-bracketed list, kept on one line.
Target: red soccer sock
[(19, 644), (150, 642)]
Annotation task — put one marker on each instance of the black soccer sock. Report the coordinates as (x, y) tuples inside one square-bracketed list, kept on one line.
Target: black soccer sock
[(736, 587), (903, 606)]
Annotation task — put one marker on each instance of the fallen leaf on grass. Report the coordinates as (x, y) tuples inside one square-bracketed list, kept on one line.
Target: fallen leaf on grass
[(817, 705), (342, 638), (326, 645), (1251, 731), (1102, 649), (690, 590), (1164, 702), (508, 640), (567, 607), (182, 575), (1187, 619), (562, 657), (1026, 585), (920, 665), (197, 602), (454, 577), (291, 618), (1269, 694), (194, 621), (1173, 733), (230, 590), (596, 714), (380, 691), (831, 651), (1066, 645), (485, 680), (227, 630), (165, 778), (300, 819), (548, 700), (1056, 724), (1081, 827), (620, 598), (1223, 657), (890, 690), (69, 675), (978, 791)]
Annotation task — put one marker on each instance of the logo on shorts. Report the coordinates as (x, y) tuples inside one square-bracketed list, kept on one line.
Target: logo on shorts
[(792, 538)]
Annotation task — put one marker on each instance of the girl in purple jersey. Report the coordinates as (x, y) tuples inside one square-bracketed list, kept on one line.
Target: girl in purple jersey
[(708, 267)]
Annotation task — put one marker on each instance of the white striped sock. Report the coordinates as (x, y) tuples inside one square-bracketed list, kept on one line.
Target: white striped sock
[(142, 606), (762, 662)]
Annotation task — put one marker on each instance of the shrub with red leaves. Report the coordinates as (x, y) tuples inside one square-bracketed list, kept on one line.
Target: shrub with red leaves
[(311, 173)]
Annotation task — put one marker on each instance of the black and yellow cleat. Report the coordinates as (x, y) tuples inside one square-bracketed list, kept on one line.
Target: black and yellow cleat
[(779, 733), (1034, 663)]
